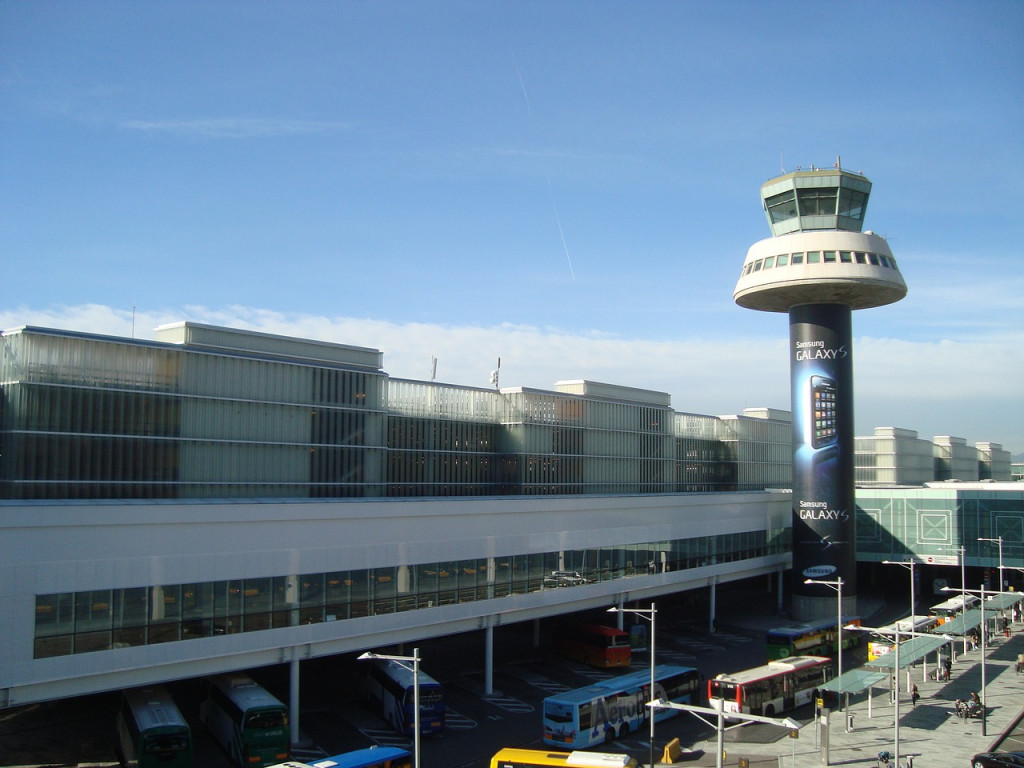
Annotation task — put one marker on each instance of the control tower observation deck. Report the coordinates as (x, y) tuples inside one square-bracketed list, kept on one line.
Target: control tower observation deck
[(818, 254)]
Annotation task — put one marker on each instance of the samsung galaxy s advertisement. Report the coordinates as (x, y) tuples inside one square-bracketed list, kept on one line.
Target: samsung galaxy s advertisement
[(821, 366)]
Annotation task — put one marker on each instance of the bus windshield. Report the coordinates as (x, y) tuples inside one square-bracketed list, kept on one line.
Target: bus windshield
[(162, 743), (269, 718), (723, 690)]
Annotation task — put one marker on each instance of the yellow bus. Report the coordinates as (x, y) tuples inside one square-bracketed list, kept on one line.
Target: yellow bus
[(540, 758)]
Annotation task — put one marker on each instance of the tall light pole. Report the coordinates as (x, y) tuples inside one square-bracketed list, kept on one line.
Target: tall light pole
[(405, 661), (895, 631), (649, 614), (962, 551), (837, 585), (896, 679), (907, 564), (999, 541), (984, 711)]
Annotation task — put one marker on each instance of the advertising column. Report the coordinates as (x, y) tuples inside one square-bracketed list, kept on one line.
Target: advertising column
[(821, 369)]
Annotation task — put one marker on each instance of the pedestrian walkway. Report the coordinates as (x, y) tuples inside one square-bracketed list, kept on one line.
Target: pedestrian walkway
[(930, 733)]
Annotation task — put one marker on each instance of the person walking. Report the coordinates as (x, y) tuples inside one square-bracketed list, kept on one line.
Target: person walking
[(914, 695)]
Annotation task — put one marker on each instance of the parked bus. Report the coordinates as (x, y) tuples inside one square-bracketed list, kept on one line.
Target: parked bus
[(389, 688), (885, 640), (952, 608), (151, 730), (594, 644), (371, 757), (776, 687), (816, 639), (614, 707), (539, 758), (248, 723)]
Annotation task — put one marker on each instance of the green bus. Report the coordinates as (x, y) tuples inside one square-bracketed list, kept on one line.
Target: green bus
[(246, 720), (151, 730)]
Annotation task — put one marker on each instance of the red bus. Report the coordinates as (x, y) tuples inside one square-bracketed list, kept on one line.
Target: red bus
[(594, 644), (775, 687)]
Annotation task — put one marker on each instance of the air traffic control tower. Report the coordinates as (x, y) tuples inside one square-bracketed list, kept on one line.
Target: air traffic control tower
[(819, 266)]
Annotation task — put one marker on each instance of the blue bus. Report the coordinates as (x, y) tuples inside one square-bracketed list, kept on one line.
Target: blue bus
[(371, 757), (615, 707), (389, 689)]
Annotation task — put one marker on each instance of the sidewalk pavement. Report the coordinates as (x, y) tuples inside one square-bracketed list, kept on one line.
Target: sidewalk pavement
[(930, 733)]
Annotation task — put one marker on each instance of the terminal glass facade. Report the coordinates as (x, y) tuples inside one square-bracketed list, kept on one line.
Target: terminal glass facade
[(83, 622), (222, 414)]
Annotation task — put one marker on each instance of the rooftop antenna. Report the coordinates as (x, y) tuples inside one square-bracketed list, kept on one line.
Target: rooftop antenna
[(133, 319), (494, 375), (433, 368), (782, 162)]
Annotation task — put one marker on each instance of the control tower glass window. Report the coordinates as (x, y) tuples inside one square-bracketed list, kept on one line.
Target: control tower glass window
[(851, 203), (781, 207), (818, 202)]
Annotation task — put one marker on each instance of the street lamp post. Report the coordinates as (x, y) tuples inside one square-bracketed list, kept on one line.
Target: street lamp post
[(984, 628), (405, 661), (999, 541), (907, 564), (984, 709), (962, 551), (649, 614), (837, 585), (719, 713)]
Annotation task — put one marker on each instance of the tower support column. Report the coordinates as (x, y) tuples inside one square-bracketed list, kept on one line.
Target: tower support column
[(824, 501)]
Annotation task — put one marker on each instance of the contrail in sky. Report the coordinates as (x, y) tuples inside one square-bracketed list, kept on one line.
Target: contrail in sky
[(560, 232), (551, 193)]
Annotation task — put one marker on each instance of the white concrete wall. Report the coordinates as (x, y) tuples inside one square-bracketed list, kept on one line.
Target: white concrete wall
[(67, 547)]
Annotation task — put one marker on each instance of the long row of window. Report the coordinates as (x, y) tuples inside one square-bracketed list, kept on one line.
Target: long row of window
[(82, 622), (820, 257), (817, 201)]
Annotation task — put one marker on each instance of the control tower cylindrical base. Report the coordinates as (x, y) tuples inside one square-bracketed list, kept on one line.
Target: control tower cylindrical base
[(821, 368)]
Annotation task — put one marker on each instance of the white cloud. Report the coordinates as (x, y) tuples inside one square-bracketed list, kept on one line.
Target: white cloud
[(966, 389)]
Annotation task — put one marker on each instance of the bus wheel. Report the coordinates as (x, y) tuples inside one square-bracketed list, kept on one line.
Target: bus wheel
[(769, 711)]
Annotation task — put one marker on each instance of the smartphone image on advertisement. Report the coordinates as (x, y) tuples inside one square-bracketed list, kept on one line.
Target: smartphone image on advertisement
[(822, 422)]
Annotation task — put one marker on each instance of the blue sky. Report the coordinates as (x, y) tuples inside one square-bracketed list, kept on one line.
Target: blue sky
[(569, 186)]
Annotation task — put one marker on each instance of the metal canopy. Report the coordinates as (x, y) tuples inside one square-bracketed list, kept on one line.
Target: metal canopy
[(962, 624), (911, 652), (1001, 601), (855, 681), (970, 619)]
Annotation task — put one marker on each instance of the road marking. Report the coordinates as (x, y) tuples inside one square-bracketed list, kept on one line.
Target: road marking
[(509, 703), (457, 721)]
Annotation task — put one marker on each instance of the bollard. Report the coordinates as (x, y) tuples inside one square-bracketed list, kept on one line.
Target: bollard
[(849, 723)]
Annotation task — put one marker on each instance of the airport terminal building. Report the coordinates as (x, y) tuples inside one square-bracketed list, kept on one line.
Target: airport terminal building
[(219, 499)]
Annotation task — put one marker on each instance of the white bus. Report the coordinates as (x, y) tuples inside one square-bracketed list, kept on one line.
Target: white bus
[(952, 608), (776, 687), (885, 640), (389, 688), (248, 722)]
